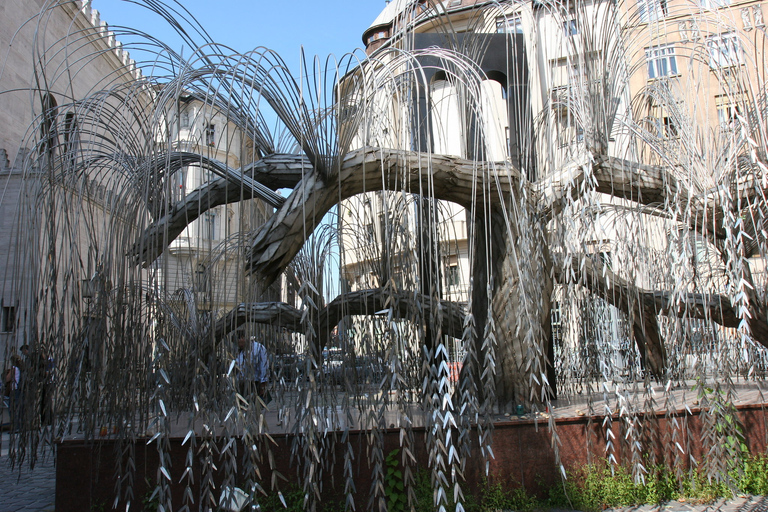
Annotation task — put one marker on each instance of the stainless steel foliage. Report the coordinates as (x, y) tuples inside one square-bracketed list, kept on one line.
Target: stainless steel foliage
[(613, 243)]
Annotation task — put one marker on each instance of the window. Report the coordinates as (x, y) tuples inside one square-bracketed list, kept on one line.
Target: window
[(70, 128), (8, 319), (399, 278), (577, 75), (383, 226), (569, 131), (714, 4), (370, 232), (700, 253), (661, 61), (201, 278), (48, 135), (664, 127), (727, 116), (210, 226), (184, 119), (509, 25), (70, 136), (600, 253), (556, 318), (381, 34), (724, 51), (210, 135), (178, 184), (667, 128), (652, 10), (570, 28), (452, 276), (565, 73)]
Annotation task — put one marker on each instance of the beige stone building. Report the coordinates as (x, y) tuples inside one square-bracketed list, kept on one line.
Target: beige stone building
[(655, 82), (85, 61), (96, 62), (203, 258)]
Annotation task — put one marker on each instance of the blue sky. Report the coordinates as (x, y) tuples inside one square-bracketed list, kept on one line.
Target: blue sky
[(323, 27)]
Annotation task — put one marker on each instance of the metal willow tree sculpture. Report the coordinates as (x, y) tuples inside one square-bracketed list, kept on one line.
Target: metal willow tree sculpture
[(621, 206)]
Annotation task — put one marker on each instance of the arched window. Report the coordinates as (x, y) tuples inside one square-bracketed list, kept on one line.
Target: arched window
[(71, 136), (446, 117), (48, 135), (496, 116)]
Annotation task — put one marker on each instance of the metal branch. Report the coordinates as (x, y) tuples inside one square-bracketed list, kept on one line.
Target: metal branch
[(377, 301), (365, 170)]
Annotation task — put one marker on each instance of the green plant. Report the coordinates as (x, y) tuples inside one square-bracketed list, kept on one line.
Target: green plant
[(425, 495), (596, 487), (727, 434), (292, 500), (98, 506), (393, 483), (495, 497), (150, 501), (660, 485), (423, 491), (755, 476), (599, 486)]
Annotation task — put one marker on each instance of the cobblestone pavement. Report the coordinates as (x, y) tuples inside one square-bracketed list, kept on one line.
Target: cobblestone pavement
[(740, 504), (25, 490)]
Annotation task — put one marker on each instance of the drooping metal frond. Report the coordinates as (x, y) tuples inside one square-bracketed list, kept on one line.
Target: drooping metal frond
[(503, 204)]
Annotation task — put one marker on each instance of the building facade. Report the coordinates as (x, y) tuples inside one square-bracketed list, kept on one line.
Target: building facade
[(51, 96), (669, 84)]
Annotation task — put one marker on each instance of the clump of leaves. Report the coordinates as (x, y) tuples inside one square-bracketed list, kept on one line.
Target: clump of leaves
[(596, 487), (755, 476), (496, 497), (292, 500), (394, 489), (99, 506), (150, 500)]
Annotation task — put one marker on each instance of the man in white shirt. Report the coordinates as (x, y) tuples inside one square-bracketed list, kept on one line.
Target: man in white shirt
[(253, 367)]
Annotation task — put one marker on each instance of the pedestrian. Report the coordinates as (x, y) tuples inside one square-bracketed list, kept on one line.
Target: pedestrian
[(253, 368), (13, 385)]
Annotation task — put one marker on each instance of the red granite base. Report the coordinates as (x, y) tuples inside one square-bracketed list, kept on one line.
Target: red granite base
[(86, 472)]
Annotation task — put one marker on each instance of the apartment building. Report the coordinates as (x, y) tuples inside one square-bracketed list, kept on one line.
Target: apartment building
[(203, 258), (670, 84)]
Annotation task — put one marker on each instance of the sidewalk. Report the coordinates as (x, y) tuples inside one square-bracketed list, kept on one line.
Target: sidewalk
[(744, 504), (25, 490)]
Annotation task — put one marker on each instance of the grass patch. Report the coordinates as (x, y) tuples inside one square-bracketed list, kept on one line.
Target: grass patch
[(591, 489), (595, 488)]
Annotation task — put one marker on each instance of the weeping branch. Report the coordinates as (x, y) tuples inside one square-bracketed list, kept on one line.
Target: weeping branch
[(281, 237), (642, 307), (361, 171), (272, 172), (375, 301)]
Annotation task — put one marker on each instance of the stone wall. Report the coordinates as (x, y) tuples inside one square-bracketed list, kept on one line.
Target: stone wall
[(523, 457)]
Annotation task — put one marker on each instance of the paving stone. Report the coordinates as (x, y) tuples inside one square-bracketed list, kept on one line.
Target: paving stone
[(25, 490)]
